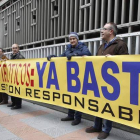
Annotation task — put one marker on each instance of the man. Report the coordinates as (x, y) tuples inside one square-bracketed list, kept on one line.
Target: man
[(112, 46), (16, 102), (75, 48), (3, 96)]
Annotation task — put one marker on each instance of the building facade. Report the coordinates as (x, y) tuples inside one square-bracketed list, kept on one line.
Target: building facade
[(42, 26)]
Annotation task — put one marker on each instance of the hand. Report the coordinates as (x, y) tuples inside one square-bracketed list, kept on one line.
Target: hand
[(50, 56), (70, 55), (84, 55), (107, 55)]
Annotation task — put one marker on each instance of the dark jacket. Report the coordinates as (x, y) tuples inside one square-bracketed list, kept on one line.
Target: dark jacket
[(118, 47), (17, 56), (80, 50)]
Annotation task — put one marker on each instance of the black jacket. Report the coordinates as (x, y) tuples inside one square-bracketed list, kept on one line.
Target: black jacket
[(80, 50), (17, 56)]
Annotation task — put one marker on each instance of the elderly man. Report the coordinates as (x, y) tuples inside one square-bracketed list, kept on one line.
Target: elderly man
[(112, 46), (3, 96), (75, 48), (16, 102)]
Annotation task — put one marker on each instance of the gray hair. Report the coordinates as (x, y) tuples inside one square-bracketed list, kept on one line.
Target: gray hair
[(113, 26)]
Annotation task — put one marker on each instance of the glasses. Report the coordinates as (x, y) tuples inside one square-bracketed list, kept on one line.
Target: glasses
[(106, 29)]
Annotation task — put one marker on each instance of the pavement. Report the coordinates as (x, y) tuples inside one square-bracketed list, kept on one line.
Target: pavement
[(34, 122)]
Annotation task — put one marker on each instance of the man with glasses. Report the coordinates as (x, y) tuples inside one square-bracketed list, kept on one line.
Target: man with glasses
[(111, 46)]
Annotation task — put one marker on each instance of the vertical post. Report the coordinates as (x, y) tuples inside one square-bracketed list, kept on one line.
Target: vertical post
[(123, 11), (103, 13), (95, 48), (26, 23), (39, 20), (45, 19), (85, 19), (48, 19), (97, 16), (76, 16), (90, 46), (42, 19), (137, 51), (80, 16), (138, 18), (52, 26), (71, 16), (91, 14), (29, 23), (109, 11), (59, 18), (63, 18), (14, 29), (131, 7), (2, 33), (67, 18), (129, 44), (116, 11)]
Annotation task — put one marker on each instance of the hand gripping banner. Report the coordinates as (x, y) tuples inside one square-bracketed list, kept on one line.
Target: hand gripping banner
[(107, 87)]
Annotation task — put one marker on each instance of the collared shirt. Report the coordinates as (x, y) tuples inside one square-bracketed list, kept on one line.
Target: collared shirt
[(107, 44)]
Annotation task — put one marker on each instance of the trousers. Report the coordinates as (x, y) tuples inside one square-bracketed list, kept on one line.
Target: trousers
[(74, 114)]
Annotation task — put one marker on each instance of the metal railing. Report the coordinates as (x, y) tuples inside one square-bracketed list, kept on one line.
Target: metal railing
[(93, 44)]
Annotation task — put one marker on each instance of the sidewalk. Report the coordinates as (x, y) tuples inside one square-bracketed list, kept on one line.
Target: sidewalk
[(34, 122)]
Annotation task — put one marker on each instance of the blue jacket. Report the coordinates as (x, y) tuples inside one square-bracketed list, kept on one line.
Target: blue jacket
[(80, 50)]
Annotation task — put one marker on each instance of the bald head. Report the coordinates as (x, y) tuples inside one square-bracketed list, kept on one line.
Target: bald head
[(15, 48)]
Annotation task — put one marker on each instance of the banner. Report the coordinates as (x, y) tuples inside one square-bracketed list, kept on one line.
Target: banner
[(107, 87)]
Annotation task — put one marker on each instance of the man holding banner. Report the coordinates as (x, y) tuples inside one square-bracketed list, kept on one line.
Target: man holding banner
[(16, 102), (75, 48), (3, 96), (112, 46)]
